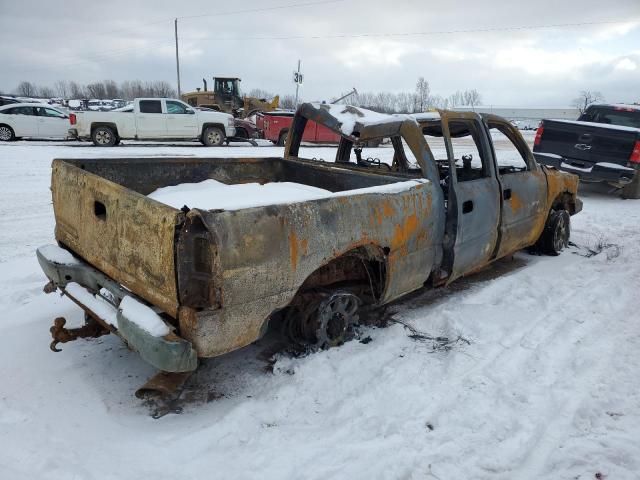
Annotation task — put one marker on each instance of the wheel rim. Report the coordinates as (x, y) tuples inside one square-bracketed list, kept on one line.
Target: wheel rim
[(214, 137), (103, 137), (5, 133), (560, 235), (336, 315)]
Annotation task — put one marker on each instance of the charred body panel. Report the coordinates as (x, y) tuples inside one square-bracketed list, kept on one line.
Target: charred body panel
[(264, 256)]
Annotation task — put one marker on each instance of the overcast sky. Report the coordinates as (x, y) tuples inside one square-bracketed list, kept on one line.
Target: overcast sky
[(342, 44)]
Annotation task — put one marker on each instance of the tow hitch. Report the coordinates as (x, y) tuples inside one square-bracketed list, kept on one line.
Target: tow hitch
[(91, 329)]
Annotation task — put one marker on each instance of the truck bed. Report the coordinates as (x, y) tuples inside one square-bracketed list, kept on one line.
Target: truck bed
[(104, 216)]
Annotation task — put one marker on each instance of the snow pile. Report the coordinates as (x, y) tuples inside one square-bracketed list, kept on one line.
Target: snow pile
[(211, 194), (98, 305), (143, 317), (58, 255)]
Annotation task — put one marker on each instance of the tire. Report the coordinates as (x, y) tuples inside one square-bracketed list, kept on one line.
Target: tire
[(322, 319), (6, 133), (212, 137), (557, 231), (282, 139), (632, 189), (103, 137)]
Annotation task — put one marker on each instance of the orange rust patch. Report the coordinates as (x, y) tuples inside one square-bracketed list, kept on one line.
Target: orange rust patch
[(403, 232), (516, 202), (387, 209), (293, 249)]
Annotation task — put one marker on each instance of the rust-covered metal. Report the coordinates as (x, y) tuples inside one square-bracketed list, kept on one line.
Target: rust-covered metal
[(60, 334), (221, 275)]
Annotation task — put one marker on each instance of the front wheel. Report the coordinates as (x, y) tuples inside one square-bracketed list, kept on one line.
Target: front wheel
[(282, 139), (103, 137), (6, 133), (212, 137), (557, 230)]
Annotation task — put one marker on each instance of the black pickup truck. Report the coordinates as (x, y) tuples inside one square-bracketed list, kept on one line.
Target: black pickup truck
[(603, 145)]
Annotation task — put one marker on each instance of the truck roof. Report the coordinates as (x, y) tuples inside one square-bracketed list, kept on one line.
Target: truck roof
[(347, 120), (626, 106)]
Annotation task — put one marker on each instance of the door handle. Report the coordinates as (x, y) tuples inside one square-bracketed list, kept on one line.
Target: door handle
[(467, 206), (506, 193)]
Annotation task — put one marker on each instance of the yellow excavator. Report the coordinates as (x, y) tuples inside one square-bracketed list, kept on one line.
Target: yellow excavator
[(226, 97)]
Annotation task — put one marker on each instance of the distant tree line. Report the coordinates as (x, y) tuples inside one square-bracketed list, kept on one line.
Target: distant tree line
[(420, 100), (106, 89)]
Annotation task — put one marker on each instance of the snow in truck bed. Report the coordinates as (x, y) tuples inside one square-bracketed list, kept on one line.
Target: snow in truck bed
[(211, 194)]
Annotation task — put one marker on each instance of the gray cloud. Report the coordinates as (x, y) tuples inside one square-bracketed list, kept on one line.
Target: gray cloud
[(74, 40)]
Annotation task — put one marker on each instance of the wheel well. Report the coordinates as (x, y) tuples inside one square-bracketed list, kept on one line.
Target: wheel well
[(217, 125), (104, 124), (363, 267), (565, 201)]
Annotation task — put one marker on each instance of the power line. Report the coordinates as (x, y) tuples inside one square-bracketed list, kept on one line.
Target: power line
[(262, 9), (414, 34)]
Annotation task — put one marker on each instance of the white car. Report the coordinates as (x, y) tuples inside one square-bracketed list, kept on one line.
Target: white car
[(153, 119), (35, 120)]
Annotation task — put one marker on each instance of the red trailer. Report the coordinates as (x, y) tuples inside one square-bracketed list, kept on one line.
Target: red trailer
[(275, 127)]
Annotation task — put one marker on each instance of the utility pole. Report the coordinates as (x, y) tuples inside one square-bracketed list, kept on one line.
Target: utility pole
[(297, 78), (177, 58)]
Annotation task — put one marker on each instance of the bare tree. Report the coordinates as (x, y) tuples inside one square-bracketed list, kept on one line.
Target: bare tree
[(260, 93), (405, 102), (288, 102), (111, 89), (62, 88), (160, 89), (26, 89), (422, 94), (46, 92), (472, 97), (76, 91), (586, 98)]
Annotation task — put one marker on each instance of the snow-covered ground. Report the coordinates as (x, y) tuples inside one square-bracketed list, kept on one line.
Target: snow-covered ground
[(547, 387)]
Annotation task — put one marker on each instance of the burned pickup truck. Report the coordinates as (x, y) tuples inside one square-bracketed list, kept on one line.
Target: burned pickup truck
[(182, 279)]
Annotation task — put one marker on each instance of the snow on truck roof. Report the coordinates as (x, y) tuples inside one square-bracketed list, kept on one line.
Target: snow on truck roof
[(348, 120)]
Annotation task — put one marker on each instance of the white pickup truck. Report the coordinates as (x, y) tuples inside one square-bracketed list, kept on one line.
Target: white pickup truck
[(152, 119)]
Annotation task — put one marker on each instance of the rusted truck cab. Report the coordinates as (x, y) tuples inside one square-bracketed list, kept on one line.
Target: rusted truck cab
[(216, 278)]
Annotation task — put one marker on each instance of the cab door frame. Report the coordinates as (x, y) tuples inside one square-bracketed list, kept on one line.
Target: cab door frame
[(473, 208), (522, 193)]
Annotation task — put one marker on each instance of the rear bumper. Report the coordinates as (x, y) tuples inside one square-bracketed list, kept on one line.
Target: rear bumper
[(86, 287), (618, 175)]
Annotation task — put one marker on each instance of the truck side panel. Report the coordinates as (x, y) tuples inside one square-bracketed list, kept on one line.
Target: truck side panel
[(126, 235), (263, 255)]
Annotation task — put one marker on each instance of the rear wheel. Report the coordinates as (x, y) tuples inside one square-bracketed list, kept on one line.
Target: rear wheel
[(322, 319), (282, 139), (557, 231), (212, 137), (6, 133), (103, 137)]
